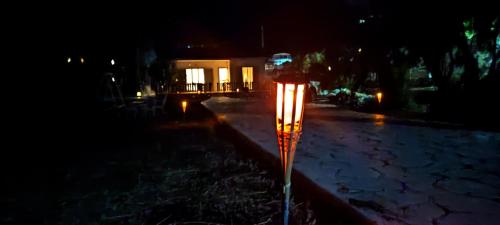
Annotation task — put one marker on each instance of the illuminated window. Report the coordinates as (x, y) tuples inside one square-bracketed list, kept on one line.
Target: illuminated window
[(223, 75), (194, 77), (247, 77)]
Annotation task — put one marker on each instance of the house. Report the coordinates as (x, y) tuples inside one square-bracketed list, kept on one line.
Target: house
[(219, 74)]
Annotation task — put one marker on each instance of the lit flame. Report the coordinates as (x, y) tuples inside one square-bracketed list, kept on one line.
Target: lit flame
[(379, 97), (184, 106), (286, 94)]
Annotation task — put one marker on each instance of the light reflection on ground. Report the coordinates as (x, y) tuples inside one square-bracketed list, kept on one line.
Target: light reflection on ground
[(379, 120)]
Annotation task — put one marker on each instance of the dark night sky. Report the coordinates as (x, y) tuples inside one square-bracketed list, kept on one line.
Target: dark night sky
[(107, 29)]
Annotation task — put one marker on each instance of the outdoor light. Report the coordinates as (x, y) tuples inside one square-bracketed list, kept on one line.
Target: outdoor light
[(289, 114), (237, 90), (184, 106), (112, 62), (329, 68), (379, 97), (69, 60), (359, 50), (82, 60), (113, 79), (139, 94)]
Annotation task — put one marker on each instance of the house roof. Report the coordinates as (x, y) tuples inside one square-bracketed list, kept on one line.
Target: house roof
[(219, 52)]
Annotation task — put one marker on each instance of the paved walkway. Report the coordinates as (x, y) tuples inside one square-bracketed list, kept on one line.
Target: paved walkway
[(392, 171)]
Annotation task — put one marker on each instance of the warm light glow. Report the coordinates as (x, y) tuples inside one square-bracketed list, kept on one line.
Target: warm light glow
[(289, 89), (329, 68), (82, 60), (359, 50), (194, 76), (69, 60), (184, 106), (139, 94), (199, 91), (223, 75), (247, 76), (284, 101), (379, 120), (112, 62), (279, 105), (379, 97), (237, 90)]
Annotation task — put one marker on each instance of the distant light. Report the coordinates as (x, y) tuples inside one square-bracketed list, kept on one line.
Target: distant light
[(139, 94), (329, 68), (188, 46), (237, 90), (113, 79), (69, 60), (359, 50), (199, 91), (112, 62), (82, 60), (429, 75), (176, 79), (184, 106), (361, 21), (379, 97)]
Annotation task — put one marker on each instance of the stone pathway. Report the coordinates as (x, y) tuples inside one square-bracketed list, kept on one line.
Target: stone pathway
[(391, 172)]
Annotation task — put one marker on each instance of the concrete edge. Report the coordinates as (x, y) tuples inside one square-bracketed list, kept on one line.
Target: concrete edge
[(323, 202)]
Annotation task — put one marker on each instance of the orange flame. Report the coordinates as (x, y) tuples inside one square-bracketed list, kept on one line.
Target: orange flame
[(379, 97)]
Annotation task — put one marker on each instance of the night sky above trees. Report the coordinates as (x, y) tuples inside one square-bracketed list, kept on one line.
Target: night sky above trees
[(288, 25)]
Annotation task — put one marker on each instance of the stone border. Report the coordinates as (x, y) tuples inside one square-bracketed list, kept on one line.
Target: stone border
[(326, 206)]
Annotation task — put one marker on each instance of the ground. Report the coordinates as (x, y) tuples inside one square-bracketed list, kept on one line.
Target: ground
[(170, 169), (393, 171)]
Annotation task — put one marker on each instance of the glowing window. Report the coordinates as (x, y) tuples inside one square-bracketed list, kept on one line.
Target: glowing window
[(223, 75), (247, 76), (194, 76)]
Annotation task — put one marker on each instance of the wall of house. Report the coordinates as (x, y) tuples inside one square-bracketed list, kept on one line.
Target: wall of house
[(257, 63), (210, 66)]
